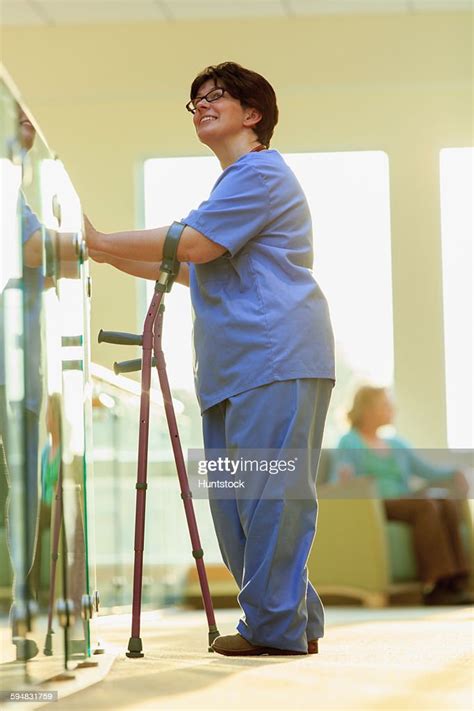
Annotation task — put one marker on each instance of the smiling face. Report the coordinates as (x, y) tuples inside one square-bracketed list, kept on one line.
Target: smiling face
[(220, 121)]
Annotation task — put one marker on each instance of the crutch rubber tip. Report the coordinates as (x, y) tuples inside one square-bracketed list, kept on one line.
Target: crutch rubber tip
[(134, 648), (48, 645), (213, 634)]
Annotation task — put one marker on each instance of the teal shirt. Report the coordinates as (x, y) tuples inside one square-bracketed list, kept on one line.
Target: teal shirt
[(49, 474), (392, 469)]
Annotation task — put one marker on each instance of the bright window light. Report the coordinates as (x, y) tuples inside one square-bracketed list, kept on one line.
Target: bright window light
[(348, 195), (456, 183), (173, 187), (55, 181)]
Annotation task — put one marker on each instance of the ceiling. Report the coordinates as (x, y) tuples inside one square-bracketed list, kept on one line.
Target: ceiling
[(66, 12)]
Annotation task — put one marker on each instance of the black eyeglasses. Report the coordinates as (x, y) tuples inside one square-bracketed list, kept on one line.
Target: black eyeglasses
[(211, 96)]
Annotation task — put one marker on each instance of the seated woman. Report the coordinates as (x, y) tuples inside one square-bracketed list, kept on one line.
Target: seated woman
[(442, 561)]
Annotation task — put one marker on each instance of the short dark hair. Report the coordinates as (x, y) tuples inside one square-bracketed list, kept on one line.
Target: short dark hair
[(251, 89)]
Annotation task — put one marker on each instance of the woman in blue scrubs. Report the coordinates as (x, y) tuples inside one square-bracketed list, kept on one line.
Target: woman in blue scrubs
[(264, 355)]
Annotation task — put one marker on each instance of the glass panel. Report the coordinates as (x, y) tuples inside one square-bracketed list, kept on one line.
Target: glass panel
[(89, 489), (456, 167), (61, 210), (43, 405), (52, 402)]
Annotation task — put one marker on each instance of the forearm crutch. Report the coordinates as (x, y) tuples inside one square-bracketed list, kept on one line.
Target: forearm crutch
[(152, 354)]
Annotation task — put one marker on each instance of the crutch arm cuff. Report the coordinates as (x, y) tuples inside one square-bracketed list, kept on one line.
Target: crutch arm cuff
[(170, 265)]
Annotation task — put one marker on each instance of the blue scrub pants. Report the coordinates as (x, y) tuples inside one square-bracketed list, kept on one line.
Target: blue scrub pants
[(265, 542)]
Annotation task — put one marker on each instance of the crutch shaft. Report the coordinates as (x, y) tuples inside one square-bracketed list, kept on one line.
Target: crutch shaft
[(186, 494), (141, 487), (135, 643)]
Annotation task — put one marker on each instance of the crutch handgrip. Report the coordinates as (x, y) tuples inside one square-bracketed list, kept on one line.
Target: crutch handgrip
[(121, 339), (130, 366)]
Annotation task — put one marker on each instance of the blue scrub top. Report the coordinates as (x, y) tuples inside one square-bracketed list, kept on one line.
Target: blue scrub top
[(258, 314)]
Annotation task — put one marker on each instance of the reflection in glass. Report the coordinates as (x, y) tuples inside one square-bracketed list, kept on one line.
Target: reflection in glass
[(18, 398)]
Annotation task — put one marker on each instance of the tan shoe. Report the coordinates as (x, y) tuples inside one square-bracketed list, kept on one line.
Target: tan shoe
[(234, 645)]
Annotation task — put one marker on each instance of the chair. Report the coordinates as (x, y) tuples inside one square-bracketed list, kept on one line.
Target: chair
[(357, 552)]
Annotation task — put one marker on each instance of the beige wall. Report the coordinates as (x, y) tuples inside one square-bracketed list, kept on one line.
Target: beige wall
[(109, 96)]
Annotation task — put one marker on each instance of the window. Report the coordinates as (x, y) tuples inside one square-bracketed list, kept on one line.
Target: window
[(348, 195), (456, 184), (173, 187)]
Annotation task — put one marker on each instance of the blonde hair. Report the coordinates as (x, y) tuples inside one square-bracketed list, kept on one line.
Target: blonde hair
[(53, 413), (363, 399)]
